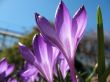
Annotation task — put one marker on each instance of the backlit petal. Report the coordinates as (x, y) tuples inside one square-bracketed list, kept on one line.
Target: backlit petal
[(9, 70), (3, 65), (27, 54), (81, 19), (63, 25), (47, 29)]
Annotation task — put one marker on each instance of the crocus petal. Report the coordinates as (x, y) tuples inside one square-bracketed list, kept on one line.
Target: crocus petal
[(63, 25), (27, 54), (47, 54), (47, 69), (44, 54), (74, 29), (47, 29), (36, 48), (81, 19), (55, 55), (63, 20), (42, 48), (29, 72), (9, 70), (12, 80), (64, 67), (3, 65)]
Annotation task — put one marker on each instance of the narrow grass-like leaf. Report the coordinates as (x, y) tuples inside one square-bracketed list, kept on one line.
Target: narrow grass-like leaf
[(91, 75), (101, 55)]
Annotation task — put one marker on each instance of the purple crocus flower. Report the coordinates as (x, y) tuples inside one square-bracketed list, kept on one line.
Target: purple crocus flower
[(5, 69), (29, 74), (12, 80), (43, 57), (66, 33)]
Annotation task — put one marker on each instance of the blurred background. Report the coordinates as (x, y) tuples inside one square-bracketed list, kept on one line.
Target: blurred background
[(17, 16), (17, 23)]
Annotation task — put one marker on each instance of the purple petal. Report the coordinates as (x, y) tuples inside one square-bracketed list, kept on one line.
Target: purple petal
[(74, 29), (36, 48), (47, 29), (55, 54), (63, 20), (64, 67), (12, 80), (48, 72), (47, 54), (9, 70), (29, 72), (27, 54), (81, 19), (63, 25), (3, 65), (41, 47)]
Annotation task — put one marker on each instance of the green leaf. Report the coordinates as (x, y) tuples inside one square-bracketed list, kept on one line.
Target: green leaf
[(88, 79), (101, 54)]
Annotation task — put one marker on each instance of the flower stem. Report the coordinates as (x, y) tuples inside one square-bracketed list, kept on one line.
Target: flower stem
[(72, 72)]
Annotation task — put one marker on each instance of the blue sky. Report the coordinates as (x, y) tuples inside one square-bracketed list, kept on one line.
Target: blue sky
[(18, 15)]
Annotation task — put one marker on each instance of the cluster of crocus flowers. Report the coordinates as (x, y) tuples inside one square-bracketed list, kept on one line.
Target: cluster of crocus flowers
[(5, 69), (60, 39)]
